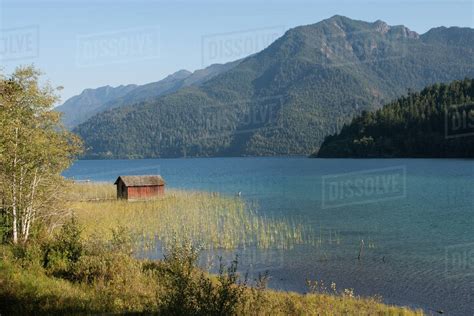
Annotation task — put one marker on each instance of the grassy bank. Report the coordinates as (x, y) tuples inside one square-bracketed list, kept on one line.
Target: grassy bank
[(89, 265), (115, 282)]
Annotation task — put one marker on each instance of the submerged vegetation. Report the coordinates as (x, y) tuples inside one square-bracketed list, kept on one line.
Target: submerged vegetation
[(208, 219)]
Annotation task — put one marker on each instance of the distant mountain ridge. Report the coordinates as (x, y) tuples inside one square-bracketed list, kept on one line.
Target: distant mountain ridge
[(79, 108), (285, 99), (90, 102)]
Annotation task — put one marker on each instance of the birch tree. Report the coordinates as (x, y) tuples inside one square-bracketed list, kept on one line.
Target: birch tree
[(34, 149)]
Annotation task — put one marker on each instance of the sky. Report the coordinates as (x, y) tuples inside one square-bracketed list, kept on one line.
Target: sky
[(88, 44)]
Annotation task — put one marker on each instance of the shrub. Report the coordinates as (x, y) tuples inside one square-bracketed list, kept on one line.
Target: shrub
[(192, 292), (104, 268), (64, 251), (122, 240), (5, 227), (229, 292), (28, 255)]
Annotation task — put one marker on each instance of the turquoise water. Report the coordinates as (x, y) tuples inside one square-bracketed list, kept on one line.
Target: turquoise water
[(415, 217)]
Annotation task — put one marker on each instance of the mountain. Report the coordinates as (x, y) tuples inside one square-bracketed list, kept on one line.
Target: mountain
[(436, 122), (170, 84), (79, 109), (285, 99)]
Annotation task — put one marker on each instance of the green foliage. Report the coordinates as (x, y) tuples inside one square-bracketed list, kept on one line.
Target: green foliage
[(180, 266), (122, 240), (64, 251), (415, 125), (108, 282), (5, 226), (230, 292), (192, 292), (34, 150), (287, 98), (28, 255)]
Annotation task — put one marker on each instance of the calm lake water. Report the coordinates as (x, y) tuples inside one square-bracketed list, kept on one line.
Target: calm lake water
[(415, 217)]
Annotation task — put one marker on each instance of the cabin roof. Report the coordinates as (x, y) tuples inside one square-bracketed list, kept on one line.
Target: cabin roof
[(141, 181)]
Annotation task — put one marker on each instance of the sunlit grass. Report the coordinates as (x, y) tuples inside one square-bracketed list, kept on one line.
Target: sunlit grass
[(209, 219), (107, 277), (92, 191), (29, 290)]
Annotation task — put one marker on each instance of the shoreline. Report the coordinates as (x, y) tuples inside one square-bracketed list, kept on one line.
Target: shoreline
[(278, 157)]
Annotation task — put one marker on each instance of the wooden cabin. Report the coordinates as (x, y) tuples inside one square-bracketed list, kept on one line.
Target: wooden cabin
[(139, 187)]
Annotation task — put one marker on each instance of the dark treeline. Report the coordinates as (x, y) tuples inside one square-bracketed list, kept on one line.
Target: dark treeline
[(436, 122)]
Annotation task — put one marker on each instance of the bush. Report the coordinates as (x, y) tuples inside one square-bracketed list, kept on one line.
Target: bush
[(5, 227), (122, 240), (64, 251), (119, 281), (229, 292), (28, 255), (104, 268), (192, 292), (111, 282)]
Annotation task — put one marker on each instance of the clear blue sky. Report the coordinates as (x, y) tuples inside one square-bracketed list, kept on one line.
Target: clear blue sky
[(76, 42)]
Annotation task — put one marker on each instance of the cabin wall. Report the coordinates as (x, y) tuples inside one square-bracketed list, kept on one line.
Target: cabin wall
[(145, 192), (121, 190)]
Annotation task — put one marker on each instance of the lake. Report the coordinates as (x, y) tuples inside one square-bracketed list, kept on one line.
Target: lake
[(401, 228)]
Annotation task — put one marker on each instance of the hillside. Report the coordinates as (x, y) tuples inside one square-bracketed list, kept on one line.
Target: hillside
[(170, 84), (90, 102), (287, 98), (424, 124), (81, 107)]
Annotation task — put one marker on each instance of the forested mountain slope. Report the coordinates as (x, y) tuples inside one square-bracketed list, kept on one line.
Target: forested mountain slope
[(90, 102), (436, 122), (79, 108), (287, 98)]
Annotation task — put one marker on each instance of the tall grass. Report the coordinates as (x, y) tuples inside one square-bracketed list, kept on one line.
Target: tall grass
[(209, 219), (88, 266), (92, 191), (106, 280)]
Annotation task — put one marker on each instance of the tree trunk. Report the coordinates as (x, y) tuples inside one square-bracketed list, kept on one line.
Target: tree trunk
[(14, 192), (30, 210)]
